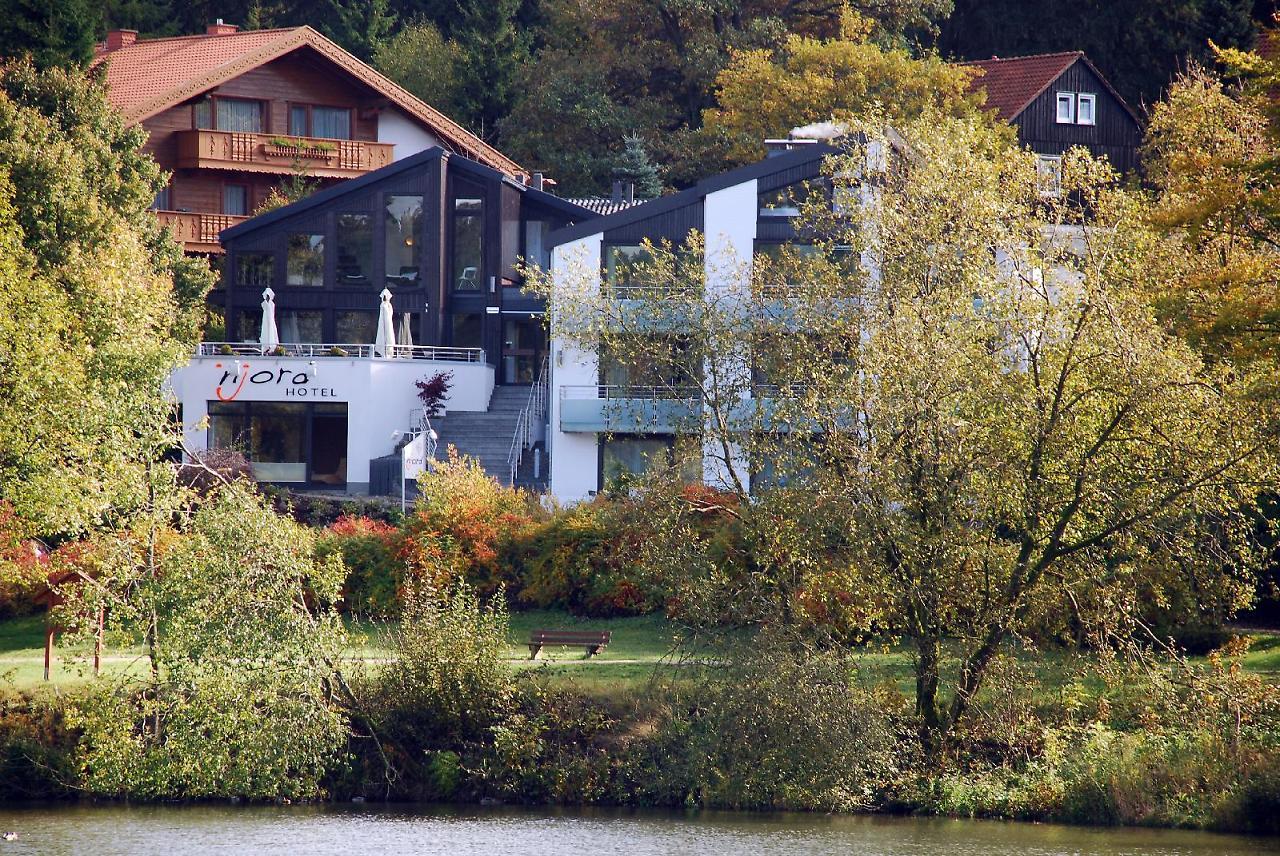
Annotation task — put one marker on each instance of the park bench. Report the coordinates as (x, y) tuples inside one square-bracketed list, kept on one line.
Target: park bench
[(593, 641)]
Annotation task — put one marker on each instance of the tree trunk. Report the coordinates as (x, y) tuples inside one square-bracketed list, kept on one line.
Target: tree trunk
[(928, 656)]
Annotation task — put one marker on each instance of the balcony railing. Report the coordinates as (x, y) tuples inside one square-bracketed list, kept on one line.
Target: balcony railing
[(247, 152), (198, 232), (608, 392), (313, 351)]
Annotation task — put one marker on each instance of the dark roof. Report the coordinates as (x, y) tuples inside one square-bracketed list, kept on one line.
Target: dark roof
[(691, 196), (414, 161), (1012, 83)]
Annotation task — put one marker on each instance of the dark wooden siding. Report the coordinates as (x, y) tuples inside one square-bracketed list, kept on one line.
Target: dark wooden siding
[(673, 226), (1115, 133)]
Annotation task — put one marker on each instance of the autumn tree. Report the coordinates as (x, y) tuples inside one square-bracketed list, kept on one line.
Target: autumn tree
[(950, 416), (1211, 154), (424, 62), (765, 93)]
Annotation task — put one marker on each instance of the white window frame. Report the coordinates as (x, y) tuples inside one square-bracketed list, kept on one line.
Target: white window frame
[(1067, 99), (1049, 172), (1091, 99)]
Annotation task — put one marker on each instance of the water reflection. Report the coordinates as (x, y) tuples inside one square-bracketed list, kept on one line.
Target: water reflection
[(346, 830)]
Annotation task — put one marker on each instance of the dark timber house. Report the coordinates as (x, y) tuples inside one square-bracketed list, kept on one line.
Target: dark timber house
[(1057, 101)]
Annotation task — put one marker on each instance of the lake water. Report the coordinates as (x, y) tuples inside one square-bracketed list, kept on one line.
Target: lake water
[(349, 830)]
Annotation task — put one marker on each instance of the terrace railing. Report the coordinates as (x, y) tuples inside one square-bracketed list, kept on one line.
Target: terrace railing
[(342, 351)]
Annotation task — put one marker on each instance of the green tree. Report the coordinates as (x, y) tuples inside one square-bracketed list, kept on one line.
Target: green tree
[(492, 49), (421, 60), (1138, 44), (52, 33), (100, 289), (985, 428), (633, 165), (241, 640)]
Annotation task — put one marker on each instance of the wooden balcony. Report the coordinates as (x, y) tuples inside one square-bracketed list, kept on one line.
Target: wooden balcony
[(198, 233), (273, 153)]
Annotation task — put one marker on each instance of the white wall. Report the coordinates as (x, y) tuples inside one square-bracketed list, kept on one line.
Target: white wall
[(379, 393), (407, 134), (575, 462), (730, 227)]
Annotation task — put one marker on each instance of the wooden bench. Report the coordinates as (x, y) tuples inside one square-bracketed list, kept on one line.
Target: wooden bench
[(593, 641)]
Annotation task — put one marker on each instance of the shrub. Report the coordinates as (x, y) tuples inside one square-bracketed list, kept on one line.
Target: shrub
[(463, 528), (209, 469), (375, 573), (23, 567), (433, 391)]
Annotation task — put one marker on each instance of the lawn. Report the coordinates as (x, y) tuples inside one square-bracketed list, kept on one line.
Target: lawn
[(639, 644)]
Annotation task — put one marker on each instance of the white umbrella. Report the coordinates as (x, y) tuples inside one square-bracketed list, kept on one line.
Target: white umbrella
[(406, 334), (270, 337), (385, 343)]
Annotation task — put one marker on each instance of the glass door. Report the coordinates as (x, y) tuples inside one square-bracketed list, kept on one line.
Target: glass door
[(524, 346)]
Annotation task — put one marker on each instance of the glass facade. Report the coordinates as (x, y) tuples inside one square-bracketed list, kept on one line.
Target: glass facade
[(624, 458), (355, 249), (355, 328), (468, 330), (256, 270), (402, 221), (301, 326), (286, 442), (305, 260)]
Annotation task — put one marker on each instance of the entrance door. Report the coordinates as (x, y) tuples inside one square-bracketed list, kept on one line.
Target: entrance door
[(329, 445), (524, 347)]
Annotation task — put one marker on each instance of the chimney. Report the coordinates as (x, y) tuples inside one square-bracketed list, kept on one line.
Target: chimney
[(217, 28), (536, 181), (117, 39), (623, 191), (616, 196)]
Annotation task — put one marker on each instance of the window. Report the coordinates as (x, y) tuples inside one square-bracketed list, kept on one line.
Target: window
[(226, 425), (787, 201), (1086, 107), (306, 120), (248, 325), (331, 122), (627, 270), (468, 242), (402, 222), (163, 200), (305, 260), (355, 249), (1066, 108), (301, 327), (624, 458), (255, 269), (1049, 170), (235, 199), (228, 114), (355, 328)]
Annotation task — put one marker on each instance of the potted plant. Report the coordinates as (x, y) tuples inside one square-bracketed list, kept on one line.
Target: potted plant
[(279, 351), (335, 351), (433, 391), (225, 350)]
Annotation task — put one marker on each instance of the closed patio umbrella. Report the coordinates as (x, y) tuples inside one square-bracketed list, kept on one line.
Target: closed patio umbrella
[(405, 338), (385, 343), (270, 337)]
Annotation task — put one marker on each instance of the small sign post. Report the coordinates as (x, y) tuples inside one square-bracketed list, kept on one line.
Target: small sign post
[(413, 462)]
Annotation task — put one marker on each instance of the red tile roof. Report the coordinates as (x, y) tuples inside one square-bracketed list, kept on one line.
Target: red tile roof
[(1013, 83), (152, 75)]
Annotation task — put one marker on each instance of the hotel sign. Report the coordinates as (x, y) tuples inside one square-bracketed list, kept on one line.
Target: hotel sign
[(274, 382)]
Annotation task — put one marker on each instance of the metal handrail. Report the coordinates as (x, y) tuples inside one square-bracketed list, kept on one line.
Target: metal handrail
[(647, 393), (343, 351), (535, 408)]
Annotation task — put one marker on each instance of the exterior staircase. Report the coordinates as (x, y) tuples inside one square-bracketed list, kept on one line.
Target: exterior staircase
[(486, 436)]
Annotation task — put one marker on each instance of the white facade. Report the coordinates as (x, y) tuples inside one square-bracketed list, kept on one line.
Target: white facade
[(408, 135), (379, 394), (574, 455)]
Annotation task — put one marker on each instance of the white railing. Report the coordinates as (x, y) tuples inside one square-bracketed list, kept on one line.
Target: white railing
[(535, 409), (341, 351), (644, 393)]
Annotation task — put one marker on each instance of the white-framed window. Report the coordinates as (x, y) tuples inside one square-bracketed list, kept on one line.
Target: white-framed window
[(1086, 108), (1066, 108), (1049, 170)]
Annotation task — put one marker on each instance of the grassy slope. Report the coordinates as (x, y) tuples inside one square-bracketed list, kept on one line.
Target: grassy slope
[(639, 644)]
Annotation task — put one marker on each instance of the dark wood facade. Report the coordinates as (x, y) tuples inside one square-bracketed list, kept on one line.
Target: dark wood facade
[(459, 294), (1115, 133)]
